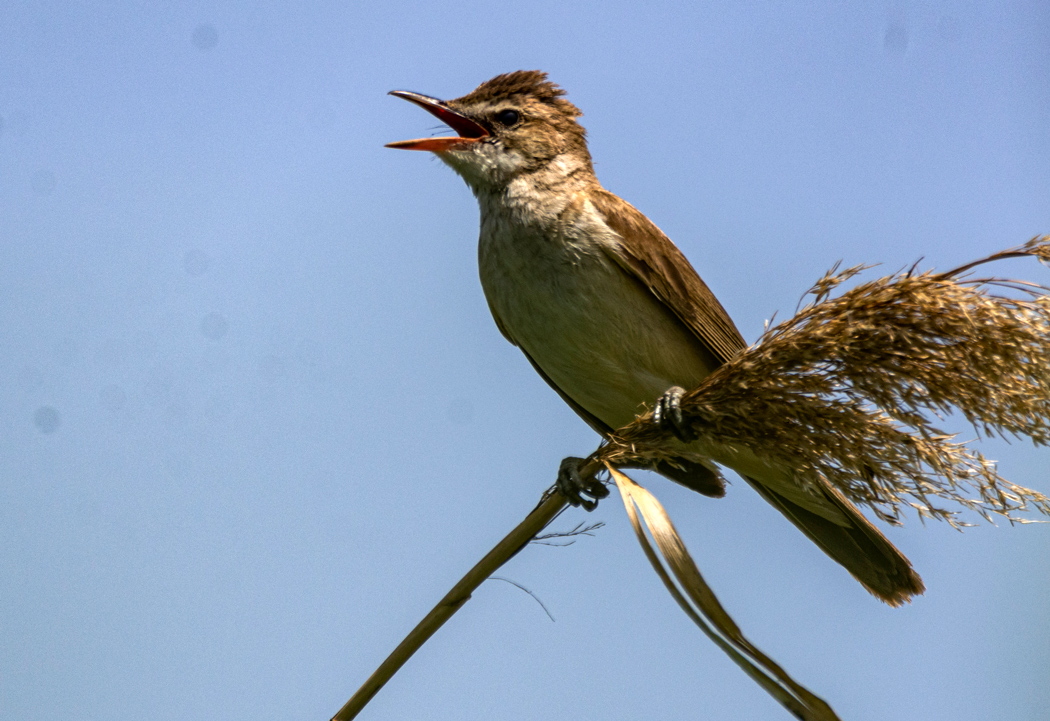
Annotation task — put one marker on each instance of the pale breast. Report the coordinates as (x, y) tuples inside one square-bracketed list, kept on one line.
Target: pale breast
[(600, 335)]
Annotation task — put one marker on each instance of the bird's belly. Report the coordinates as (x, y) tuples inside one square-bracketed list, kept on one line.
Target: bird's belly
[(598, 334)]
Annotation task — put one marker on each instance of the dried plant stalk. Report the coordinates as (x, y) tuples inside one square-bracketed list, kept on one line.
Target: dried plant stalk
[(548, 509), (848, 390)]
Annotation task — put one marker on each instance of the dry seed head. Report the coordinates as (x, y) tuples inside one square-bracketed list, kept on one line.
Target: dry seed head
[(850, 387)]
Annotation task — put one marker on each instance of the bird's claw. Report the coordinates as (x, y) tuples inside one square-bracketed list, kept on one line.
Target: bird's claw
[(575, 488), (668, 413)]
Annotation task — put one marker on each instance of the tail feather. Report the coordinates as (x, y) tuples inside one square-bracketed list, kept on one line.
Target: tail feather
[(858, 545)]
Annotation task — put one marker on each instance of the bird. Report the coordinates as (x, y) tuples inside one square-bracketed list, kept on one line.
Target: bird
[(609, 311)]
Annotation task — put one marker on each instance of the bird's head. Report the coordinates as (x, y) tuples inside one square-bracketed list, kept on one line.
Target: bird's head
[(511, 125)]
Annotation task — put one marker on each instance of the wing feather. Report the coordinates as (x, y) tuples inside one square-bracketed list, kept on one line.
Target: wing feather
[(650, 256)]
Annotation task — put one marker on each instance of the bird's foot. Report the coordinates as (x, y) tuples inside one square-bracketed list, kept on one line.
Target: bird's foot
[(575, 488), (668, 414)]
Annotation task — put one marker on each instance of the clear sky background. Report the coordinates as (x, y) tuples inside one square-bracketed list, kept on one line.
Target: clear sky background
[(255, 418)]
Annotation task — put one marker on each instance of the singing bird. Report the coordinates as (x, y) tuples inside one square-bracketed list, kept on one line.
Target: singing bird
[(608, 310)]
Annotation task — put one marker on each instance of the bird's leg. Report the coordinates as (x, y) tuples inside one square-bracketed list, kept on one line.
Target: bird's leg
[(668, 413), (574, 488)]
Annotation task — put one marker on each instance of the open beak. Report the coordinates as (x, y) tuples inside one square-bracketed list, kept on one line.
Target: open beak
[(469, 131)]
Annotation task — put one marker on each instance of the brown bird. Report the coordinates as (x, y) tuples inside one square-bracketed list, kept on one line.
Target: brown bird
[(608, 310)]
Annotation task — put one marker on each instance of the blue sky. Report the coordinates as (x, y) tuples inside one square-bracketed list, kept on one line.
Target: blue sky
[(257, 419)]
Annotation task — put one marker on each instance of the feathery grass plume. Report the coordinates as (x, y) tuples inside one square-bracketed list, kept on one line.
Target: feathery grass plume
[(849, 388)]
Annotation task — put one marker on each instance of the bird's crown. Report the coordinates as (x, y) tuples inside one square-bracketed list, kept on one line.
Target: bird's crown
[(521, 86)]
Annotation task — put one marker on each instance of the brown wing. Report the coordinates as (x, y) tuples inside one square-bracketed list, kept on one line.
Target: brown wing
[(649, 255)]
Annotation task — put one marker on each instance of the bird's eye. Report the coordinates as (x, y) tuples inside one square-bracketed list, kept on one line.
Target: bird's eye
[(508, 117)]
